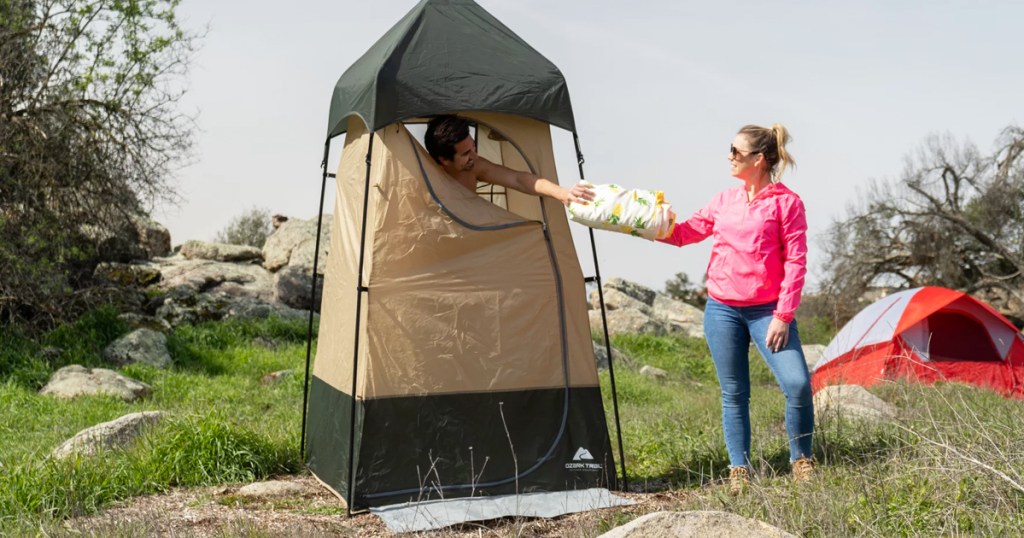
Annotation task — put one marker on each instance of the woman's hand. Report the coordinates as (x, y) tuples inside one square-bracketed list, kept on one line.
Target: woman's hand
[(778, 335)]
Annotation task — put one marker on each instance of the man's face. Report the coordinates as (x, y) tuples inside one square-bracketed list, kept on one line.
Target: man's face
[(464, 158)]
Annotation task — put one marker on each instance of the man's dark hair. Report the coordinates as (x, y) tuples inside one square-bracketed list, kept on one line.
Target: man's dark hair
[(443, 132)]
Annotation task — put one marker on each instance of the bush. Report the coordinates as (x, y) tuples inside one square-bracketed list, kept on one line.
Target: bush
[(250, 228)]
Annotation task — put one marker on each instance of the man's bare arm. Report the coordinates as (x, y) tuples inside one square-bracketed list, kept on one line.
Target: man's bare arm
[(531, 184)]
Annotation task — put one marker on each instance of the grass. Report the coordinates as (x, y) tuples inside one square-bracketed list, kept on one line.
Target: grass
[(221, 426), (952, 464)]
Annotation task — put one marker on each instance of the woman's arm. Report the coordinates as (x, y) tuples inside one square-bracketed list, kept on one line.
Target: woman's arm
[(693, 230)]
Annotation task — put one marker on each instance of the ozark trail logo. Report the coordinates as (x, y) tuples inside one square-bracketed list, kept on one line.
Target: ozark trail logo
[(577, 464)]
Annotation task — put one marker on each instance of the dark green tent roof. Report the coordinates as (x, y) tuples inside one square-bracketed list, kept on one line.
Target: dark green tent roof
[(449, 56)]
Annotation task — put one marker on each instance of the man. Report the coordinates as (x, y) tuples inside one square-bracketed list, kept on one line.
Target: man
[(449, 143)]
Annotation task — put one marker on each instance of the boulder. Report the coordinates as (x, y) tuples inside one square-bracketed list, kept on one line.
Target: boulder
[(851, 401), (631, 289), (125, 274), (142, 345), (154, 238), (681, 317), (653, 372), (115, 434), (220, 252), (615, 299), (235, 279), (291, 288), (293, 244), (140, 321), (627, 321), (697, 524), (72, 381), (634, 290), (255, 309), (812, 354), (601, 357)]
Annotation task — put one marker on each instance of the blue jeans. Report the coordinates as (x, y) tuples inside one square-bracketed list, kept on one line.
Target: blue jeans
[(729, 330)]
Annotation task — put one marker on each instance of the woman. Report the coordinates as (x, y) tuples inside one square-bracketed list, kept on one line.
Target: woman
[(755, 276)]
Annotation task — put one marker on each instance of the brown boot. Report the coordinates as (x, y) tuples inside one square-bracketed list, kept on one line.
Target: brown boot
[(803, 470), (739, 479)]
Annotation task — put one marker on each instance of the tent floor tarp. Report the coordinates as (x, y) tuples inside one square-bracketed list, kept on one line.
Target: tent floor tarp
[(429, 515)]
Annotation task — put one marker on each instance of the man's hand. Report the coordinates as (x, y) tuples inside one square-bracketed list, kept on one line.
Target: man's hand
[(778, 335)]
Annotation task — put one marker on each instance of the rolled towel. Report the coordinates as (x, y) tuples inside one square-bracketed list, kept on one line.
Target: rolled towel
[(638, 212)]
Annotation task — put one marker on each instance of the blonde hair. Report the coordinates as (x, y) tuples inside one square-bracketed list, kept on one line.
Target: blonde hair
[(771, 143)]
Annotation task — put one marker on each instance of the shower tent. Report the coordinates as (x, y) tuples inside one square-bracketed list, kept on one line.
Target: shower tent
[(454, 356)]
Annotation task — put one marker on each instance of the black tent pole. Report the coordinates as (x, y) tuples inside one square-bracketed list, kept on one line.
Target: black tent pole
[(312, 297), (604, 323), (360, 289)]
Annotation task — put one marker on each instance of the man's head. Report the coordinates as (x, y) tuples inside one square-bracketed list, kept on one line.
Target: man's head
[(449, 143)]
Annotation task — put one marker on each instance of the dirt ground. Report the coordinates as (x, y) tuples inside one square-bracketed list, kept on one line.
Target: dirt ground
[(218, 512)]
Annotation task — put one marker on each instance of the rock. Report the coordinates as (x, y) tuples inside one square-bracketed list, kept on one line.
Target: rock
[(291, 288), (154, 238), (221, 252), (681, 317), (617, 300), (255, 309), (627, 321), (184, 305), (142, 345), (107, 436), (235, 279), (293, 244), (72, 381), (139, 321), (274, 378), (851, 401), (275, 488), (696, 524), (124, 274), (812, 354), (637, 291), (651, 371), (601, 357)]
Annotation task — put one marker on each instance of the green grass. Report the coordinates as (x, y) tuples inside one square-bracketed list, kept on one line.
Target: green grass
[(952, 464), (221, 426)]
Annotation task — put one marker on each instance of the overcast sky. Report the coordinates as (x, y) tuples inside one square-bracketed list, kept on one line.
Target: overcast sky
[(658, 91)]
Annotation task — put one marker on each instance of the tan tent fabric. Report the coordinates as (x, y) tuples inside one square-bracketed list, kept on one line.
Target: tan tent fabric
[(473, 315), (481, 305)]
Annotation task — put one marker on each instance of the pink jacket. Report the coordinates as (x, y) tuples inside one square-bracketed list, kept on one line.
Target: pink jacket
[(760, 249)]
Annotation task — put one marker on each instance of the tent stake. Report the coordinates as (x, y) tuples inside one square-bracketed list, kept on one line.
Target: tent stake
[(604, 324), (312, 299)]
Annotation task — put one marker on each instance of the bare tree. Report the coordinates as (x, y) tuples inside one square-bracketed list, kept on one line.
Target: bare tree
[(955, 218), (89, 135)]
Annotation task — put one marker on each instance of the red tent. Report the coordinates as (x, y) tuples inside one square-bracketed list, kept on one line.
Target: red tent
[(926, 334)]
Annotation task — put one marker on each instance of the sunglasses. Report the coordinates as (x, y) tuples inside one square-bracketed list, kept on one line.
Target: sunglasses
[(734, 152)]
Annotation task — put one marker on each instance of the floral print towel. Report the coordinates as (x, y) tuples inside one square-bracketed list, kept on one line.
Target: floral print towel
[(638, 212)]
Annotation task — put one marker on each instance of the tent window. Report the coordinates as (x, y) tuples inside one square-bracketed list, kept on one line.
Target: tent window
[(490, 145), (956, 337)]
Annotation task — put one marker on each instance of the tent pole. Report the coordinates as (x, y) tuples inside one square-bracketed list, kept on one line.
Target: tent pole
[(360, 289), (312, 298), (604, 324)]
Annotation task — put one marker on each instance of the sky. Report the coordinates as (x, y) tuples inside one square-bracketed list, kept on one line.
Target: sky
[(659, 89)]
